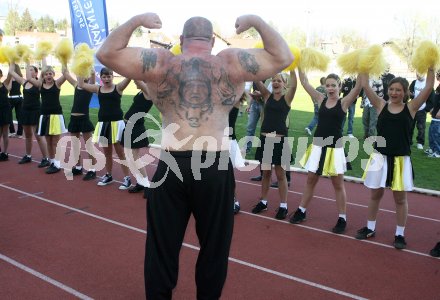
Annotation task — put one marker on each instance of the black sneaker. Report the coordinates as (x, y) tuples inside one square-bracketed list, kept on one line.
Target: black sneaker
[(365, 233), (52, 169), (4, 156), (136, 188), (89, 175), (435, 251), (298, 217), (281, 213), (259, 207), (126, 184), (399, 242), (26, 159), (76, 171), (105, 180), (257, 178), (236, 208), (275, 184), (44, 163), (340, 226)]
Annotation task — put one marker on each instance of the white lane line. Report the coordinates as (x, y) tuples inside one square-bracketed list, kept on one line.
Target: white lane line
[(298, 193), (283, 275), (348, 203), (44, 278)]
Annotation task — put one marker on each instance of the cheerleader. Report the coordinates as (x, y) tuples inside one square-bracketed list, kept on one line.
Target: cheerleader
[(30, 114), (16, 102), (390, 163), (325, 156), (80, 123), (274, 148), (141, 104), (5, 116), (51, 123), (108, 131)]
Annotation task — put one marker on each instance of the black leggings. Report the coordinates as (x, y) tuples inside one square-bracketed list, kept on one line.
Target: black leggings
[(17, 104), (169, 207)]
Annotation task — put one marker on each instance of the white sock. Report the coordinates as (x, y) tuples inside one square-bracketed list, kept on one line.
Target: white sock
[(264, 201), (302, 209), (78, 167), (142, 181), (371, 225), (283, 204), (56, 163), (237, 203), (92, 170), (400, 230), (51, 160), (343, 216), (28, 155)]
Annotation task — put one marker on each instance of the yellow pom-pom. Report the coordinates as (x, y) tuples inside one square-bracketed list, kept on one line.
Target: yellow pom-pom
[(348, 62), (426, 56), (43, 49), (297, 55), (372, 61), (3, 58), (312, 59), (176, 49), (83, 62), (259, 45), (8, 54), (64, 51), (23, 52)]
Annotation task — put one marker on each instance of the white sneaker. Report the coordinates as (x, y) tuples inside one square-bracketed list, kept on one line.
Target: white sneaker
[(428, 151), (350, 135), (434, 155), (308, 131), (420, 146), (126, 184)]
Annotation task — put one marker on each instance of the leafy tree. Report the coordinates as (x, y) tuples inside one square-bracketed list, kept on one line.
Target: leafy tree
[(62, 24), (352, 39), (12, 20), (26, 21), (45, 24)]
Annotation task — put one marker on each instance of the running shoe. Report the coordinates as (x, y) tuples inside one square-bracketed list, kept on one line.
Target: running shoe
[(26, 159), (365, 233), (76, 171), (236, 208), (259, 207), (52, 169), (44, 163), (340, 226), (298, 217), (399, 242), (4, 156), (105, 180), (126, 184), (89, 176), (136, 188), (435, 251), (281, 213)]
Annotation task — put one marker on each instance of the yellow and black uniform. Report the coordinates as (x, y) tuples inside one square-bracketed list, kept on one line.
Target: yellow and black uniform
[(5, 108), (51, 118), (390, 165), (81, 122), (110, 124), (140, 105), (16, 102), (30, 113), (325, 156), (274, 150)]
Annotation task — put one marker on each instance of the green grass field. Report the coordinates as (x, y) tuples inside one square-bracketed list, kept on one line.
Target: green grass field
[(425, 168)]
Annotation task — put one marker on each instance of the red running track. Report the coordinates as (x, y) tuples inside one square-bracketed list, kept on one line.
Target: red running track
[(62, 239)]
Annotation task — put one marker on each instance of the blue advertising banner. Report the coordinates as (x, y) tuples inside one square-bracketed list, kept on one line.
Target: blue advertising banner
[(89, 25)]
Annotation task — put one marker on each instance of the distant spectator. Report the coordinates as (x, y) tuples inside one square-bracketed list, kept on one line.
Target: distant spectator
[(369, 115), (420, 118), (347, 86)]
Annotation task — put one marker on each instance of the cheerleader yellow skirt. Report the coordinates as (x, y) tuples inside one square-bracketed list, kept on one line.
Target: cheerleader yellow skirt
[(324, 161), (51, 125), (112, 131), (385, 171)]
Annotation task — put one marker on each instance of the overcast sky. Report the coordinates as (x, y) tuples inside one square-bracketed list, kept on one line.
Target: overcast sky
[(374, 19)]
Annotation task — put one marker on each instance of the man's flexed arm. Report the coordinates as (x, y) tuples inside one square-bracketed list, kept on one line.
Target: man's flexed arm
[(131, 62), (259, 64)]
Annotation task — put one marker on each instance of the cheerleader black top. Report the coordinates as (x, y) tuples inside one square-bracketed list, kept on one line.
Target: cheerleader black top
[(329, 125), (233, 114), (15, 89), (109, 106), (50, 101), (140, 104), (275, 115), (81, 101), (396, 129), (31, 98), (4, 101)]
